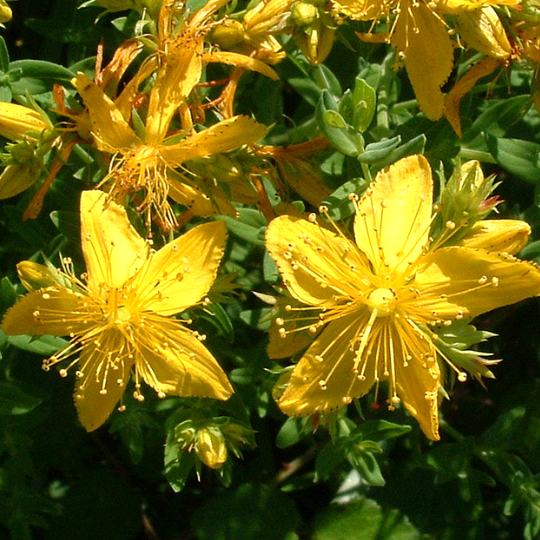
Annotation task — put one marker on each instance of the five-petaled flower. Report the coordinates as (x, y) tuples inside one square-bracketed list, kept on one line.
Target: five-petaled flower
[(379, 299), (119, 316)]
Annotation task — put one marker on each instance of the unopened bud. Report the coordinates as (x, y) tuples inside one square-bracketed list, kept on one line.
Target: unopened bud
[(211, 448)]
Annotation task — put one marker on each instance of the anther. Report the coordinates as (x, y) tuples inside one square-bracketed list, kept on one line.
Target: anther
[(462, 376)]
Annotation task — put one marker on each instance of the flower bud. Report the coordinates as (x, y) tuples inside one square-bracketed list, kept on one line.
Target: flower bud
[(16, 178), (211, 448), (303, 14), (35, 276), (228, 34), (5, 12), (18, 122)]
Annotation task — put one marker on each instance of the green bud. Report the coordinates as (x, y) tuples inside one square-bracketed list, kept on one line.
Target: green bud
[(304, 14)]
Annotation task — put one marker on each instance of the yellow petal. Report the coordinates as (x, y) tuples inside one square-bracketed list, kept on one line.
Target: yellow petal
[(55, 311), (112, 249), (459, 281), (418, 379), (221, 137), (201, 203), (323, 386), (241, 60), (393, 218), (93, 405), (179, 72), (182, 365), (508, 235), (315, 263), (181, 273), (463, 87), (16, 121), (423, 39), (109, 127), (483, 30)]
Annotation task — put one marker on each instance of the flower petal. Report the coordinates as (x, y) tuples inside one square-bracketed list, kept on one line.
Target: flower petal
[(109, 127), (112, 249), (174, 361), (393, 218), (459, 281), (221, 137), (324, 385), (54, 311), (417, 379), (316, 264), (422, 37), (181, 273), (508, 235), (100, 387)]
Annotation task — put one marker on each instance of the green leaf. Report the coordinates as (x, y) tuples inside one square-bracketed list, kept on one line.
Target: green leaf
[(250, 225), (251, 512), (498, 116), (44, 345), (364, 104), (380, 430), (363, 519), (14, 401), (328, 460), (4, 56), (339, 204), (335, 128), (379, 151), (37, 76), (520, 158), (326, 80), (291, 432), (362, 458), (178, 464)]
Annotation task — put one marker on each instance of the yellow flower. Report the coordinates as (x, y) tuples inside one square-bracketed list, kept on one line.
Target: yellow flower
[(377, 297), (118, 319)]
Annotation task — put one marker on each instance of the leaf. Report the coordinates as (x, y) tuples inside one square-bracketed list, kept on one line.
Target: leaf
[(498, 116), (362, 458), (4, 56), (363, 519), (249, 226), (380, 430), (328, 460), (379, 151), (332, 124), (518, 157), (291, 432), (339, 204), (37, 76), (251, 512), (364, 103), (13, 401), (44, 345)]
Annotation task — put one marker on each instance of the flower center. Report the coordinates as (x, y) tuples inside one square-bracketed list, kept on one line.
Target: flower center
[(382, 300), (122, 315)]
